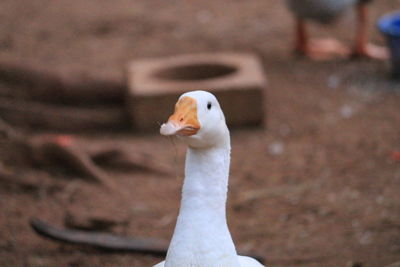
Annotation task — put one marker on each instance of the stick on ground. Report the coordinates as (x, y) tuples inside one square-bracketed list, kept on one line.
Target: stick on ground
[(100, 240)]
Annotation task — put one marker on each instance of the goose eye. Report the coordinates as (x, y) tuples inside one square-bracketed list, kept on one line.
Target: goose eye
[(209, 105)]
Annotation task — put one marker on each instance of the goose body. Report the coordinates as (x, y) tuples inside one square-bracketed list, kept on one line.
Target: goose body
[(201, 237), (323, 11)]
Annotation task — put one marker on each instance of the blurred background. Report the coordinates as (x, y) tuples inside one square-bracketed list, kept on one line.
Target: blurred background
[(317, 185)]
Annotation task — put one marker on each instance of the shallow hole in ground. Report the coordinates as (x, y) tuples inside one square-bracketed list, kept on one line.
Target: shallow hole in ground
[(200, 71)]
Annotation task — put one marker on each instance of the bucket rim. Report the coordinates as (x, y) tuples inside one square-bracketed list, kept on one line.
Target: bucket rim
[(385, 23)]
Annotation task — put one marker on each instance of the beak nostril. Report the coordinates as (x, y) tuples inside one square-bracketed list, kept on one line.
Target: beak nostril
[(181, 120)]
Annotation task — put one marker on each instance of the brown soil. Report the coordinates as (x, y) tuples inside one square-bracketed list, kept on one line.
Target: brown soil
[(317, 187)]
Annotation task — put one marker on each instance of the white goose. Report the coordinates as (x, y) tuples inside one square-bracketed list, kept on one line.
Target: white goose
[(201, 237)]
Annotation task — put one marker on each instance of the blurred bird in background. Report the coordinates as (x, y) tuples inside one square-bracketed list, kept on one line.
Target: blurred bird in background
[(325, 12)]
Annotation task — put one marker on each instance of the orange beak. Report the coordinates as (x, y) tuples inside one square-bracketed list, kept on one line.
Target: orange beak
[(184, 120)]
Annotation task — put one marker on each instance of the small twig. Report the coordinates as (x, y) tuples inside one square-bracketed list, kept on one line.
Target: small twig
[(47, 148), (100, 240), (62, 147)]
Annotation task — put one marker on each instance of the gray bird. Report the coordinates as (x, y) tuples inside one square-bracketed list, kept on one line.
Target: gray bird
[(325, 12)]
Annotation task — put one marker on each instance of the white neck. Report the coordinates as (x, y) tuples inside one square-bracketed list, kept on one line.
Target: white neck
[(201, 237)]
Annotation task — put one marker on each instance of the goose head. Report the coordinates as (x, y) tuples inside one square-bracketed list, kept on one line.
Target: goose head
[(198, 119)]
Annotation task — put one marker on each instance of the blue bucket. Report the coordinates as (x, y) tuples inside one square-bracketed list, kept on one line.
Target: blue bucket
[(389, 25)]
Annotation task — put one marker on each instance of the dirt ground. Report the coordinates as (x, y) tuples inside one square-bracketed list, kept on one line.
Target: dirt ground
[(318, 186)]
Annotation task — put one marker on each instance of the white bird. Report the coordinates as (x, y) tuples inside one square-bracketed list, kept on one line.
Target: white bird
[(201, 237)]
